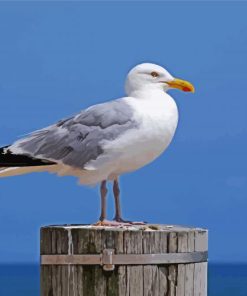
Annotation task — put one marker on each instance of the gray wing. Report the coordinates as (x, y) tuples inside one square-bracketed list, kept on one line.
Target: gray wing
[(77, 140)]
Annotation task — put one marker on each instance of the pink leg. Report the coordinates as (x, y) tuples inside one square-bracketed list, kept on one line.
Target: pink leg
[(102, 220), (118, 215), (116, 192), (103, 193), (118, 221)]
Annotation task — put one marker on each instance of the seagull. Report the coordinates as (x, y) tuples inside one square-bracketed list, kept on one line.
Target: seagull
[(106, 140)]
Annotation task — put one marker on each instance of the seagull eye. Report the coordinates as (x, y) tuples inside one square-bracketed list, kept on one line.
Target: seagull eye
[(154, 74)]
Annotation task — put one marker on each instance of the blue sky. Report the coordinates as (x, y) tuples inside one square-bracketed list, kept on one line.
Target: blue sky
[(59, 57)]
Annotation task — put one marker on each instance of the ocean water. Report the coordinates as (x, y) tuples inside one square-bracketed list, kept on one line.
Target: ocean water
[(23, 280)]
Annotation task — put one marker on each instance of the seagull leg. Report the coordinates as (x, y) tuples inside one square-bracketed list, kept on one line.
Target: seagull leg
[(116, 192), (118, 221), (102, 220), (103, 194), (118, 215)]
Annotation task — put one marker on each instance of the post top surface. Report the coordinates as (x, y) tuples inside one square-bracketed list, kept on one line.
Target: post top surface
[(146, 227)]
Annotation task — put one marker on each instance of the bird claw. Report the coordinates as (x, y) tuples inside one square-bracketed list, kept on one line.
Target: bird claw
[(131, 222), (118, 222), (112, 223)]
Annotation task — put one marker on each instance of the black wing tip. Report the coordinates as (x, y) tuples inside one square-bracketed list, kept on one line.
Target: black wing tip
[(8, 159)]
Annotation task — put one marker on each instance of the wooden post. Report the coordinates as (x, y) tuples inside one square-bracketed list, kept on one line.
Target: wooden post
[(178, 266)]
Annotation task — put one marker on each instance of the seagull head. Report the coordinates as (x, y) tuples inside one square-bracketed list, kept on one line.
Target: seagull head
[(151, 76)]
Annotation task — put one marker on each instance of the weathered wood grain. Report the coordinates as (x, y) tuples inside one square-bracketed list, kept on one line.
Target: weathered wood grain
[(46, 271), (133, 245), (200, 280), (189, 268), (150, 241), (162, 269), (182, 247), (131, 280), (172, 269)]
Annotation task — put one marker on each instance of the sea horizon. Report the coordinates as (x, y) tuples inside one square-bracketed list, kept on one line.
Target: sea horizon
[(23, 279)]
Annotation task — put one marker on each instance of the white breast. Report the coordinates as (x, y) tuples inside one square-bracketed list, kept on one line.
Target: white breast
[(157, 115)]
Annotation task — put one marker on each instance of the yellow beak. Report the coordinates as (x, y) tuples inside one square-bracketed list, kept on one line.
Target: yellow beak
[(181, 84)]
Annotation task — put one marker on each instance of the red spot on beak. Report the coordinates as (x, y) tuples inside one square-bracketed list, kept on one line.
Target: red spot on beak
[(186, 89)]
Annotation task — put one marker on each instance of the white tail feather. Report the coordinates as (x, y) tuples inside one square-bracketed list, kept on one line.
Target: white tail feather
[(15, 171)]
